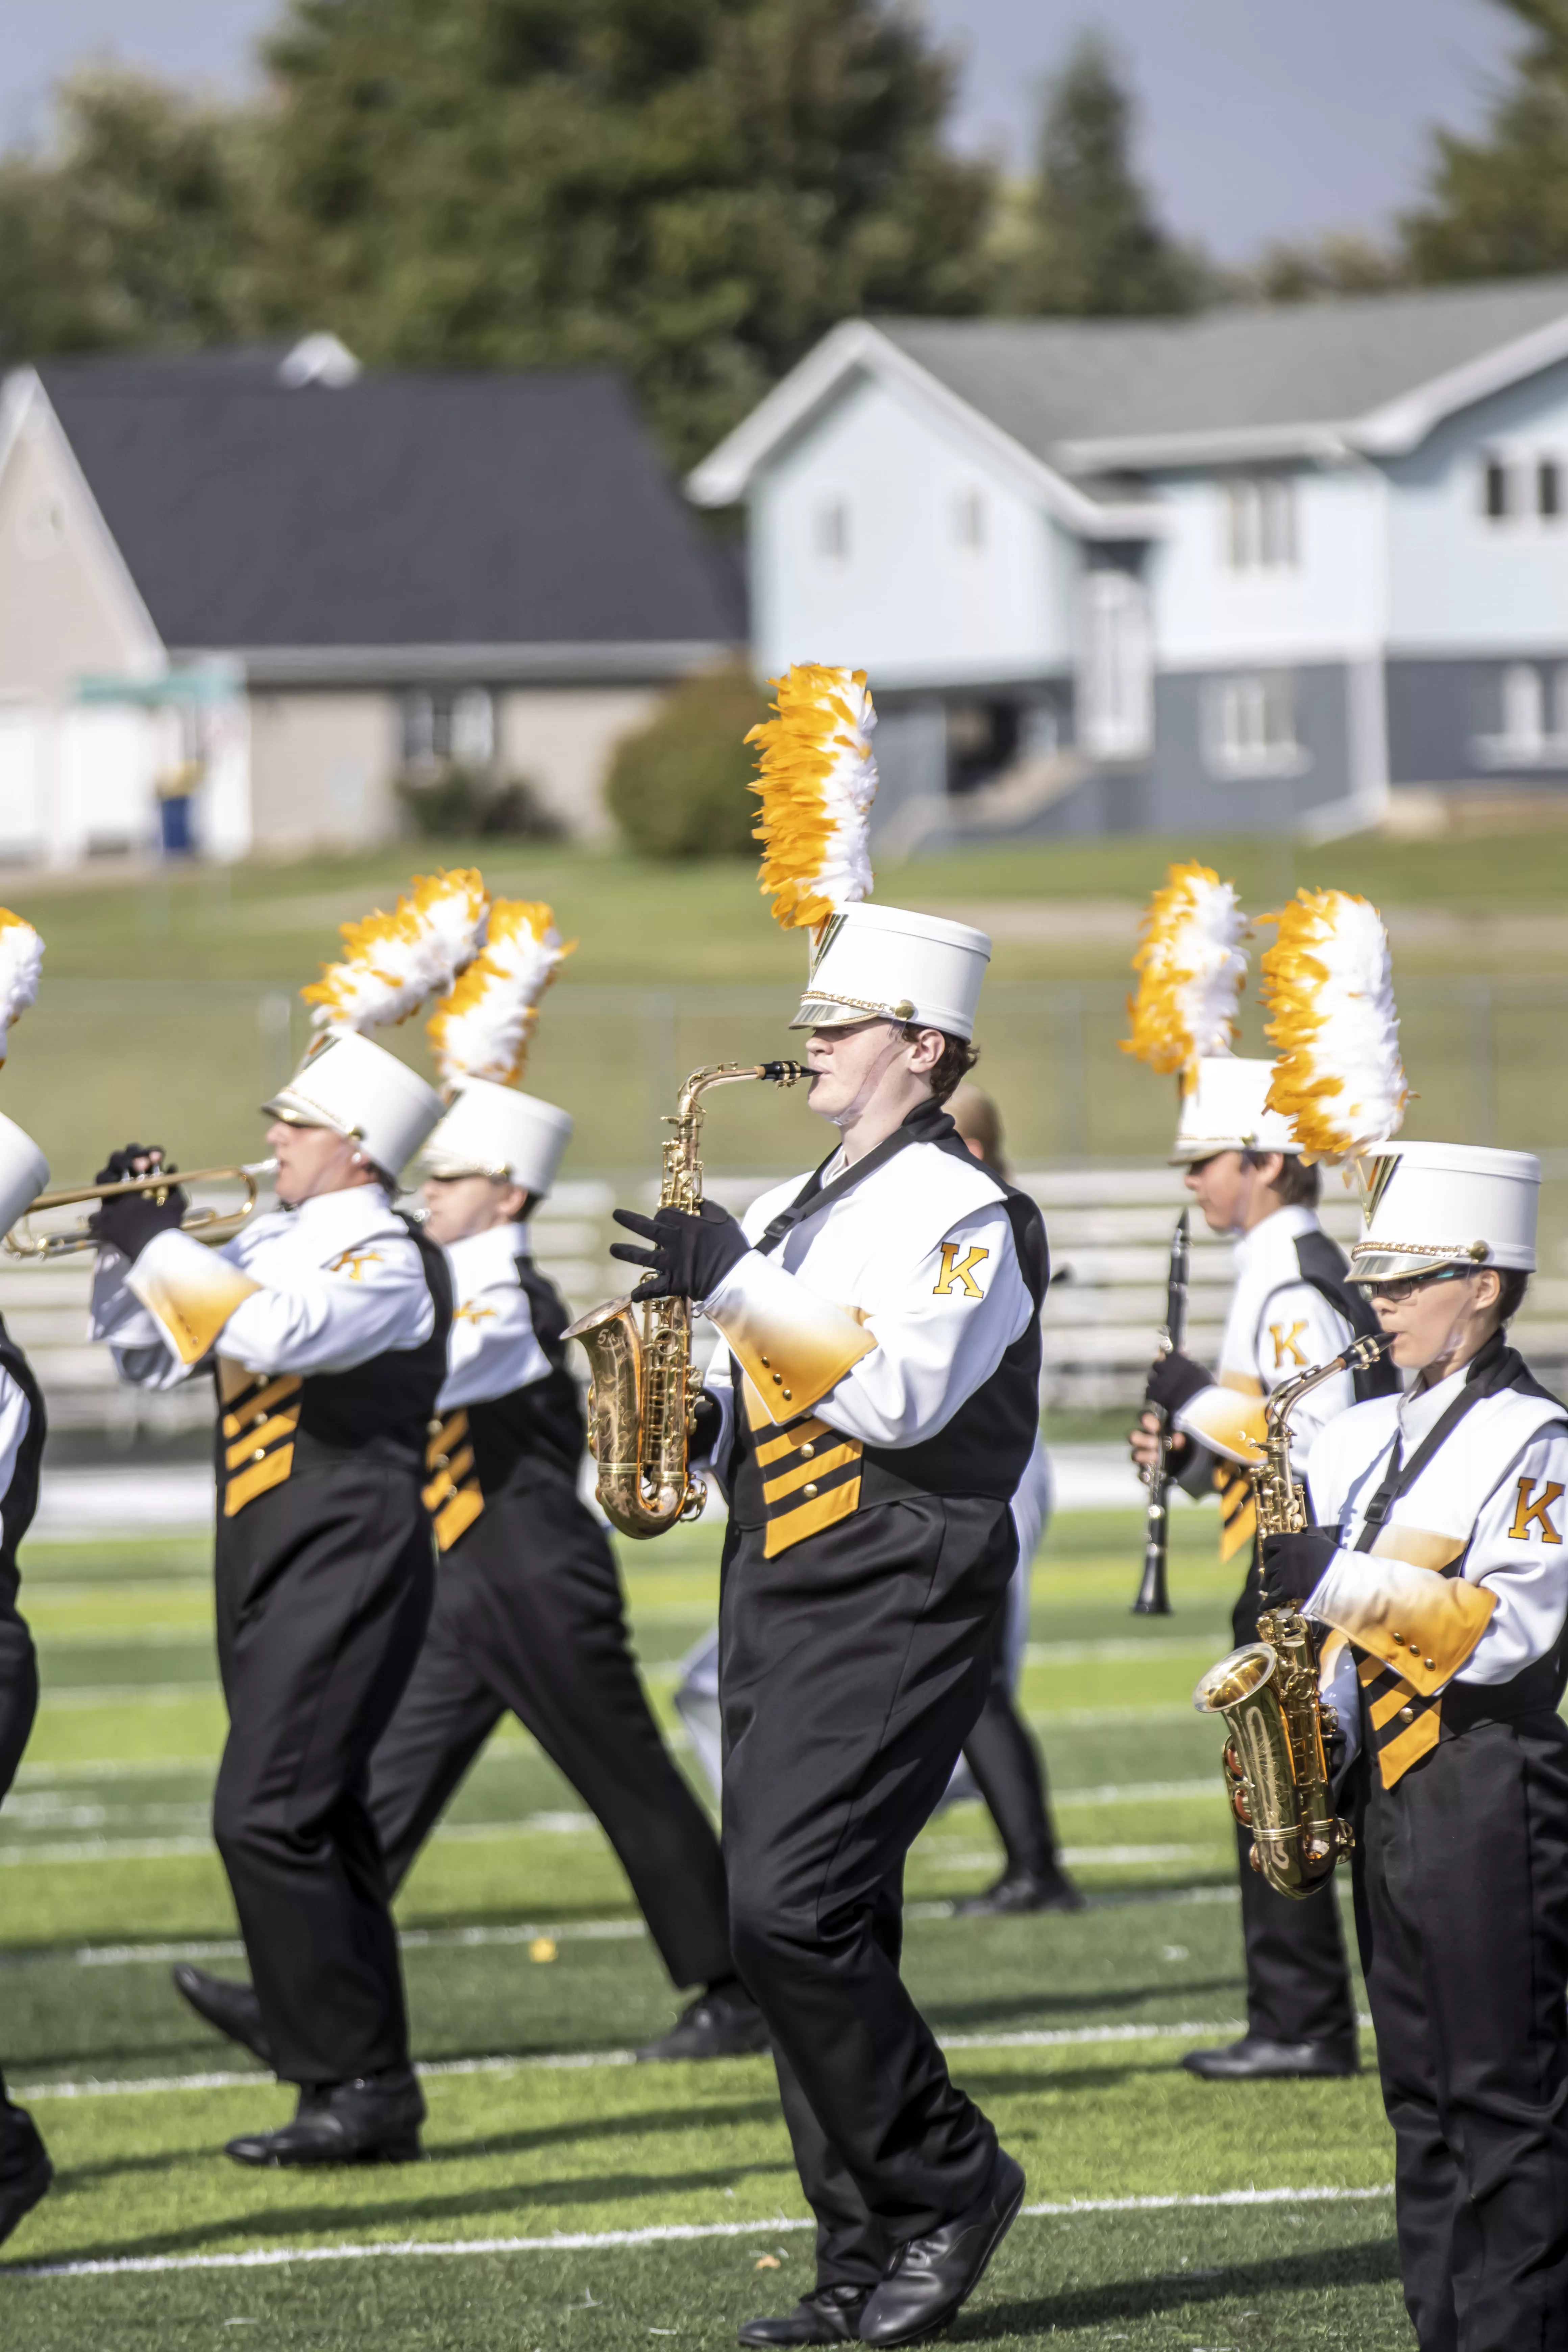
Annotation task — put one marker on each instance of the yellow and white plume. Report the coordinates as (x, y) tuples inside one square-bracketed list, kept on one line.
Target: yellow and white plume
[(483, 1028), (391, 964), (1329, 990), (1191, 970), (21, 963), (816, 778)]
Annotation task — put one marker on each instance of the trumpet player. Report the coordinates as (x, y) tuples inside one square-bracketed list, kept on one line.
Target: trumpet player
[(1292, 1306), (528, 1614), (1440, 1561), (325, 1327), (872, 1412)]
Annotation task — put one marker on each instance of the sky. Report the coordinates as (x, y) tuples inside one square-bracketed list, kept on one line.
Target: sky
[(1262, 120)]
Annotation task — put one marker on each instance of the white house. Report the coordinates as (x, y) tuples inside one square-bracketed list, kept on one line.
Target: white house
[(269, 584), (1260, 569)]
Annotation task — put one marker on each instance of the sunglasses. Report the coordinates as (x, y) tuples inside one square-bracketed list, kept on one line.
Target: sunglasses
[(1396, 1293)]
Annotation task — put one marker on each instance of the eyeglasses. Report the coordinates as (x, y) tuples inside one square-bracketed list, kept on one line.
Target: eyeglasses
[(1396, 1293)]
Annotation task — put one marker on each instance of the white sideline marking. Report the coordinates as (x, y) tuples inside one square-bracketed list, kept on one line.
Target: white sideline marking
[(1045, 2038), (660, 2233), (411, 1939)]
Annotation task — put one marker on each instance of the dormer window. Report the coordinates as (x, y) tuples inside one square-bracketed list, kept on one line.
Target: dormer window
[(1523, 485), (1260, 522), (833, 531), (969, 520)]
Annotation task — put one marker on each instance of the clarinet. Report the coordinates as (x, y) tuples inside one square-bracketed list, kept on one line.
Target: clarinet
[(1153, 1595)]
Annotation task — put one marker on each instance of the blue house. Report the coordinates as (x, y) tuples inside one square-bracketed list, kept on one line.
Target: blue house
[(1295, 569)]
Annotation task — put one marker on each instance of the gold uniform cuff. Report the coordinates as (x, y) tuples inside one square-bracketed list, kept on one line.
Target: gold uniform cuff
[(190, 1290), (793, 1346), (1228, 1417), (1408, 1614)]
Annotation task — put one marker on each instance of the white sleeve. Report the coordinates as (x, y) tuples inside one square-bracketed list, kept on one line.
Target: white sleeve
[(493, 1348), (1506, 1608), (16, 1413), (897, 1374), (374, 1299), (1297, 1328), (136, 1340)]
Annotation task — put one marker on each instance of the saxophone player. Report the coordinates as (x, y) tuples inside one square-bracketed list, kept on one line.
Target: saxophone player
[(1292, 1306), (876, 1403), (1440, 1563)]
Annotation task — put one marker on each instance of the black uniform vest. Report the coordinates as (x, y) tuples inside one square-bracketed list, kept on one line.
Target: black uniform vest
[(797, 1479), (275, 1424), (478, 1453), (21, 1497)]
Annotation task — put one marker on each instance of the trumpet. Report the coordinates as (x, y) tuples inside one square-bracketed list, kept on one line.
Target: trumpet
[(206, 1224)]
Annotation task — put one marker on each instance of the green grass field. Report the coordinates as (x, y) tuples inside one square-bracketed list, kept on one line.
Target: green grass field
[(1174, 2214)]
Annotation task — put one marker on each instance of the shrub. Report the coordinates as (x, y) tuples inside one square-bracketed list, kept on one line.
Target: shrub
[(678, 787), (456, 802)]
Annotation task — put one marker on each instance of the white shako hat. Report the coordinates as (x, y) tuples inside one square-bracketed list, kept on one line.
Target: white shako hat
[(1225, 1112), (359, 1089), (884, 963), (492, 1130), (1435, 1204), (24, 1172)]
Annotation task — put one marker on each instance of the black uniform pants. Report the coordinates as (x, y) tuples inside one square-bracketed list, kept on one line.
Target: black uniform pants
[(1009, 1772), (529, 1616), (1462, 1912), (853, 1668), (1298, 1978), (19, 2142), (323, 1593)]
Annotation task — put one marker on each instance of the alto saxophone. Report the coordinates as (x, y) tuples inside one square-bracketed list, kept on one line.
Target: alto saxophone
[(643, 1393), (1276, 1767)]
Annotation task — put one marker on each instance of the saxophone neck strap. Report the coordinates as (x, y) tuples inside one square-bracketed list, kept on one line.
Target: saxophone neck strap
[(927, 1123), (1494, 1367)]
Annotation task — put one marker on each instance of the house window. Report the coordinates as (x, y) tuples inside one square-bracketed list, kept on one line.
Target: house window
[(1250, 728), (833, 531), (1115, 686), (1260, 522), (1496, 490), (439, 726), (1517, 487), (1530, 735), (1549, 490), (969, 520)]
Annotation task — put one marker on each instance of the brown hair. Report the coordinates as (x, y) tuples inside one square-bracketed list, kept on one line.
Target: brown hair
[(958, 1058), (1512, 1284), (1299, 1186)]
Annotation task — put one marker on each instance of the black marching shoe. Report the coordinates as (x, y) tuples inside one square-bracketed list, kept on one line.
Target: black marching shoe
[(722, 2022), (28, 2171), (831, 2314), (232, 2007), (931, 2277), (374, 2120), (1017, 1891), (1255, 2060)]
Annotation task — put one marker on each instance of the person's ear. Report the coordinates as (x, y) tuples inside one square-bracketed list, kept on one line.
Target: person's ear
[(926, 1051), (1489, 1287)]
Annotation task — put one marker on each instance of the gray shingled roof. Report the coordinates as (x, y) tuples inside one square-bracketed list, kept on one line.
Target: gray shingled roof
[(432, 510), (1050, 382)]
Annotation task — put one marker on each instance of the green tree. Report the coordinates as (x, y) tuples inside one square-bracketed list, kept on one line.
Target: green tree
[(1085, 241), (692, 189), (1496, 205), (679, 786), (138, 226)]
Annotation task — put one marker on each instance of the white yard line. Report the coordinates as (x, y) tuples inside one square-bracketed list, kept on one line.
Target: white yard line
[(660, 2233)]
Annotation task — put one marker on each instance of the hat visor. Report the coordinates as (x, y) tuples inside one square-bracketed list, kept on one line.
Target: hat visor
[(828, 1013), (1187, 1155), (1374, 1265), (298, 1111), (448, 1166)]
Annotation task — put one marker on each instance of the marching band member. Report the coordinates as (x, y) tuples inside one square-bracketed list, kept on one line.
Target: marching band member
[(325, 1324), (881, 1320), (1439, 1560), (1002, 1754), (25, 2171), (1291, 1308), (528, 1614)]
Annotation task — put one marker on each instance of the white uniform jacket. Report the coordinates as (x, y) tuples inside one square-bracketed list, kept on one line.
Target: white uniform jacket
[(1468, 1581), (1278, 1326), (882, 1314), (493, 1349), (319, 1289)]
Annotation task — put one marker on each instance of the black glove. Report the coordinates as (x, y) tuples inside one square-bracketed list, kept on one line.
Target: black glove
[(129, 1223), (691, 1255), (1173, 1382), (1292, 1565)]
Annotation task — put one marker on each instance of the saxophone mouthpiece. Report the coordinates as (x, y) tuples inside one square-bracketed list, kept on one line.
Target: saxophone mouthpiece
[(781, 1074)]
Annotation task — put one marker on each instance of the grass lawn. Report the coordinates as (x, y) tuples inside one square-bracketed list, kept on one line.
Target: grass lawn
[(1164, 2225)]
